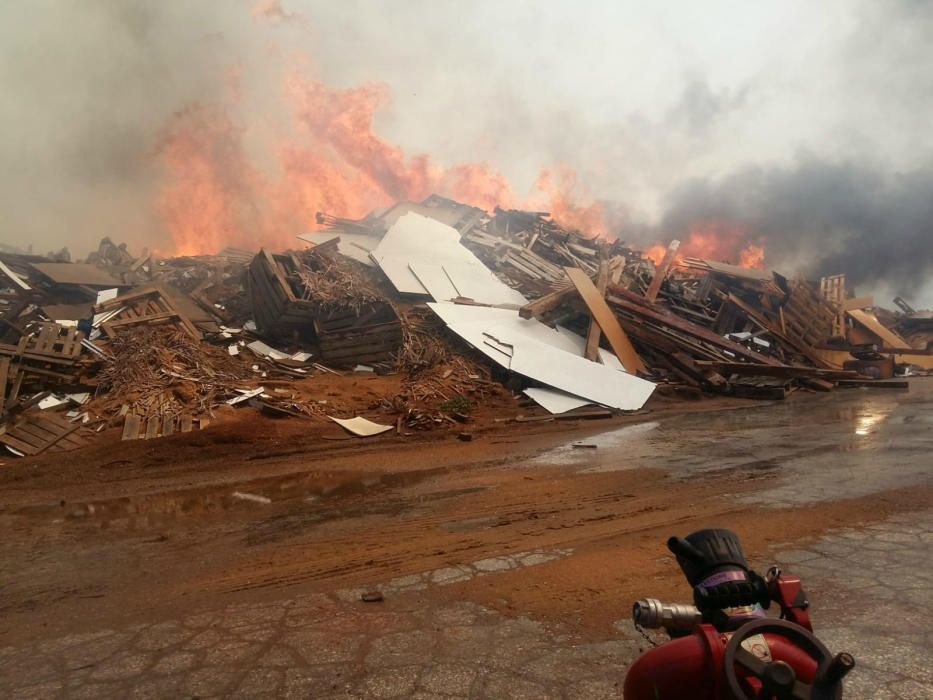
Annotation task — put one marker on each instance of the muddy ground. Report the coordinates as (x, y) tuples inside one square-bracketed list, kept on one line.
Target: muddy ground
[(557, 524)]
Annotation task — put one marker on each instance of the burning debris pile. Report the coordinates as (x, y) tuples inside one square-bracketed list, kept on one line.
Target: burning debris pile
[(456, 302)]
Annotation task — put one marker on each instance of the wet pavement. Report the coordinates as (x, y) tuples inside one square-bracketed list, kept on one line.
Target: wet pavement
[(871, 585), (872, 594), (850, 443)]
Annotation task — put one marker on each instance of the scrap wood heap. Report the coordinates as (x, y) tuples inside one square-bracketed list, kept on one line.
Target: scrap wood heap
[(165, 372), (334, 282), (439, 380), (161, 343)]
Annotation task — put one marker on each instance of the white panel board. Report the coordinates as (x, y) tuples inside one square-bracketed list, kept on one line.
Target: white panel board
[(580, 377), (555, 401), (361, 427), (418, 253), (551, 357)]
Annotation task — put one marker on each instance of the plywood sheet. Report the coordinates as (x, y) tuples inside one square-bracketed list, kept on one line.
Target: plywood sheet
[(76, 273), (871, 322)]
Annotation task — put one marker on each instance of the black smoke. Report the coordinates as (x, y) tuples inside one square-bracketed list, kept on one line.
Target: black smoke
[(817, 217)]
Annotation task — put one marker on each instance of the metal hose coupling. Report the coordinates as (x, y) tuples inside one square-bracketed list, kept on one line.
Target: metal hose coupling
[(651, 613)]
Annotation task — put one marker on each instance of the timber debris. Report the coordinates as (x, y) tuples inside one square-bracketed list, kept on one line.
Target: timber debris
[(464, 307)]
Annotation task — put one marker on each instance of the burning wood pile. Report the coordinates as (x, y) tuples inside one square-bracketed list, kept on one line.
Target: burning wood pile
[(456, 302)]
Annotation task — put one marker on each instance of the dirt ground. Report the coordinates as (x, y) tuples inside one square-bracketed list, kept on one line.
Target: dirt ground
[(257, 509)]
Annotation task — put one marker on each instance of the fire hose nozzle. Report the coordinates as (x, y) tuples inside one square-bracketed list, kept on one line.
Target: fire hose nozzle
[(651, 613)]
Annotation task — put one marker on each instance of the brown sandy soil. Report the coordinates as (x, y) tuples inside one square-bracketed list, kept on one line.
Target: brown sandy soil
[(144, 530)]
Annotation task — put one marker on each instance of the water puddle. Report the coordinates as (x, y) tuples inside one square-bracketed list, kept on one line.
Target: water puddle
[(845, 444), (253, 496)]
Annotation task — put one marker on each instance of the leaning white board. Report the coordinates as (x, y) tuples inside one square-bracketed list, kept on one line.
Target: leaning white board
[(554, 401), (422, 256)]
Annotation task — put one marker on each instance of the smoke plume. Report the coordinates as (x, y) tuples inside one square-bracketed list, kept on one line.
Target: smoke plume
[(191, 126), (821, 218)]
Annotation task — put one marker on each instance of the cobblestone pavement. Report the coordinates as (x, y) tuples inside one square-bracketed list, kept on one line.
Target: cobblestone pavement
[(872, 590), (872, 594), (321, 647)]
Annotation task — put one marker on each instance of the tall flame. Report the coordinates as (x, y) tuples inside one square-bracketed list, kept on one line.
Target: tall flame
[(331, 159)]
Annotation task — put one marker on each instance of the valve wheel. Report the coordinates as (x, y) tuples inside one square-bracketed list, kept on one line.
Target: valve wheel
[(777, 677)]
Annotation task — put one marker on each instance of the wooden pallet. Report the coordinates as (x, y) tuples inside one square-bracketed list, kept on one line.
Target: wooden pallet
[(149, 306), (136, 427), (51, 343), (38, 432)]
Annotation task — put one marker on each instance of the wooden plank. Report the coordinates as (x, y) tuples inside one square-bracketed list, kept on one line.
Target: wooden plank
[(874, 383), (870, 321), (68, 342), (152, 427), (19, 445), (618, 340), (168, 426), (661, 273), (550, 301), (17, 383), (186, 422), (857, 303), (4, 374), (131, 427), (142, 319), (591, 351)]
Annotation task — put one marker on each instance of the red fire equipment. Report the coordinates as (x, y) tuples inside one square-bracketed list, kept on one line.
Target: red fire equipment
[(724, 646)]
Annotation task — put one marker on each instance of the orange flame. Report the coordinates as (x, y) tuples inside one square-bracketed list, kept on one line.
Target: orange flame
[(556, 190), (715, 240), (330, 160)]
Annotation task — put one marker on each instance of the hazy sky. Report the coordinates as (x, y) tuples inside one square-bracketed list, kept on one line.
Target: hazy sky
[(661, 107)]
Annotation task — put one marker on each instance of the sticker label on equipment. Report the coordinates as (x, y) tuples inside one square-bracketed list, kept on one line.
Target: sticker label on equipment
[(758, 646)]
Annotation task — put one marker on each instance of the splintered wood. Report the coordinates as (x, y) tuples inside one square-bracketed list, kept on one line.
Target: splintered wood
[(164, 374)]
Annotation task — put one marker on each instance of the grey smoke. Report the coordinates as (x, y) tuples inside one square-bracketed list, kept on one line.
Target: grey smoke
[(659, 107), (821, 218)]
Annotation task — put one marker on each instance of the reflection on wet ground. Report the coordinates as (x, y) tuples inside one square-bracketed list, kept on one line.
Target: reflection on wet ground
[(313, 494), (845, 444)]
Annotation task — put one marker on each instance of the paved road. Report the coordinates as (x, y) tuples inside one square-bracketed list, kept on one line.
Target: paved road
[(871, 586)]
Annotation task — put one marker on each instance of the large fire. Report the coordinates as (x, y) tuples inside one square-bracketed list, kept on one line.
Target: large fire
[(330, 158)]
